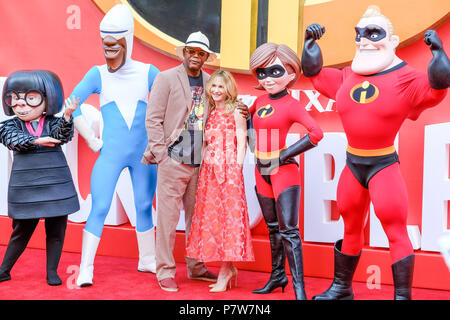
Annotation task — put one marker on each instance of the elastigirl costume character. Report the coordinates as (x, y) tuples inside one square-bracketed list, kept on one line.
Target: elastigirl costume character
[(40, 185), (373, 98), (277, 68), (123, 86)]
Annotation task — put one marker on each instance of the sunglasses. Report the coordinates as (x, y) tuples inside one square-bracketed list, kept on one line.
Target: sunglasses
[(33, 98), (199, 52)]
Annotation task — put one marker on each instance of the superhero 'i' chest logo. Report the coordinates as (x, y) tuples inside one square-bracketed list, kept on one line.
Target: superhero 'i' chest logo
[(265, 111), (364, 92)]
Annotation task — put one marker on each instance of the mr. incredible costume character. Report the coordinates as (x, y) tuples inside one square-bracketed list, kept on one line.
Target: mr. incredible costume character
[(277, 67), (373, 98), (123, 86)]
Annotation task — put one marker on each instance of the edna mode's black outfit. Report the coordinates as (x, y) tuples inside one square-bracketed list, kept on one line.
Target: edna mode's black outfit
[(40, 186)]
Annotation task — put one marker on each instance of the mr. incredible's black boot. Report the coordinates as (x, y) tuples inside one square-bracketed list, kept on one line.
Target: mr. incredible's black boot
[(402, 272), (344, 269)]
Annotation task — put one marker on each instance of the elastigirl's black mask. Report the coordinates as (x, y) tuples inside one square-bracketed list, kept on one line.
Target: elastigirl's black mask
[(371, 32), (274, 71)]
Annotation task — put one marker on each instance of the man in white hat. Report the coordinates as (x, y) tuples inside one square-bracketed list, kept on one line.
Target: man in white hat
[(175, 121)]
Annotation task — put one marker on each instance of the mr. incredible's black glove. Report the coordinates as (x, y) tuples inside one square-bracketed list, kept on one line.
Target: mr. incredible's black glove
[(439, 67), (312, 60)]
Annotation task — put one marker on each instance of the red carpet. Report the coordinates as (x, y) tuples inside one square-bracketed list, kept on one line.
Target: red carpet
[(118, 279)]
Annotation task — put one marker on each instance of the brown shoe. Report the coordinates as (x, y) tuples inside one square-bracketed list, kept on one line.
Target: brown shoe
[(168, 284), (206, 276)]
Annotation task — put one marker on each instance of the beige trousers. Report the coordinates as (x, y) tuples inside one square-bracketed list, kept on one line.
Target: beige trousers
[(176, 184)]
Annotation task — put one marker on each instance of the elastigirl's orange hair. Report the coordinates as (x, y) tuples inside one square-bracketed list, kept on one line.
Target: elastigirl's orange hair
[(268, 52)]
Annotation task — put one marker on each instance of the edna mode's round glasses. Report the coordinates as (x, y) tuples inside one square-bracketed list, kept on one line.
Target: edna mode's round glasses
[(33, 98)]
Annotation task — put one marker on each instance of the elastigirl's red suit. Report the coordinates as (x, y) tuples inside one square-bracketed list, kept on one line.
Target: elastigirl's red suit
[(277, 67), (272, 118), (372, 109), (277, 182)]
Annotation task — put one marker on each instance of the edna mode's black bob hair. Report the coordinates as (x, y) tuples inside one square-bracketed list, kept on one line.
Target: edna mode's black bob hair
[(41, 80)]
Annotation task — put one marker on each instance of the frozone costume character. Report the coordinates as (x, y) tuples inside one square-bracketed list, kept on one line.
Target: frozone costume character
[(277, 67), (123, 86), (373, 98), (40, 184), (175, 121)]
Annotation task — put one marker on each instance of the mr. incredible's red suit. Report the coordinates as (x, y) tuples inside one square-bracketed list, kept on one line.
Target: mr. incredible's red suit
[(373, 104)]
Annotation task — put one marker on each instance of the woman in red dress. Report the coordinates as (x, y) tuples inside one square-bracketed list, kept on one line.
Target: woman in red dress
[(220, 227)]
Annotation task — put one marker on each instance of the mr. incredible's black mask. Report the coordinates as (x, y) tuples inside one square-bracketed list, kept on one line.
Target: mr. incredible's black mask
[(372, 32)]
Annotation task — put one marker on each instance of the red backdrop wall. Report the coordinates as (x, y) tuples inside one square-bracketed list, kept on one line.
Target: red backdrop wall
[(35, 35)]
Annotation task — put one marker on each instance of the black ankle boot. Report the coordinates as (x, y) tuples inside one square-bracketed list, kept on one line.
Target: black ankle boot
[(4, 275), (344, 269), (402, 272), (278, 276), (53, 279), (287, 205)]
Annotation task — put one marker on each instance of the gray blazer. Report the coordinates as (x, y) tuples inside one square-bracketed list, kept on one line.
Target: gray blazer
[(167, 111)]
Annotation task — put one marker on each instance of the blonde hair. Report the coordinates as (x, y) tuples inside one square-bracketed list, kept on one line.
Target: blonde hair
[(230, 87), (374, 11), (268, 52)]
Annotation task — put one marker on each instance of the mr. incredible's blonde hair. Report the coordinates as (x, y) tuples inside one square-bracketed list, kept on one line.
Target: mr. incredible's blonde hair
[(268, 52), (374, 11), (230, 87)]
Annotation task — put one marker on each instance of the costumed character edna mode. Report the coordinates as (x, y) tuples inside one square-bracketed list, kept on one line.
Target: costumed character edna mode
[(40, 184), (374, 96), (123, 86), (277, 67)]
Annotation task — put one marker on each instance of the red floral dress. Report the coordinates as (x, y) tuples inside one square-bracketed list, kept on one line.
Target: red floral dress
[(220, 227)]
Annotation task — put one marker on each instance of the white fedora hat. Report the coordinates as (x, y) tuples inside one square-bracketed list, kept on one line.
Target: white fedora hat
[(197, 40)]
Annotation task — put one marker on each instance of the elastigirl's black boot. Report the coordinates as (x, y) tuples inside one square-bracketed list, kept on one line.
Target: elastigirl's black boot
[(278, 276), (288, 203), (402, 272), (344, 269)]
